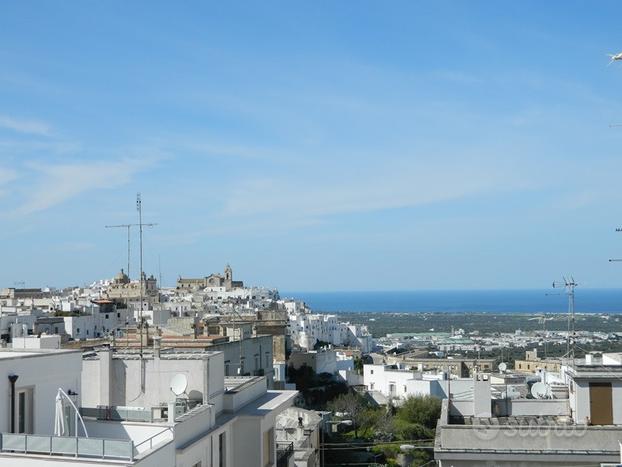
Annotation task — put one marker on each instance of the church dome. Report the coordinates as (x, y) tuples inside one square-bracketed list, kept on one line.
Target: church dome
[(121, 278)]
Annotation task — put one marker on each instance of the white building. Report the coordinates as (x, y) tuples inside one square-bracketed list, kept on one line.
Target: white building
[(97, 322), (242, 409), (131, 415), (306, 329), (595, 389), (583, 429), (44, 341), (30, 379), (396, 383)]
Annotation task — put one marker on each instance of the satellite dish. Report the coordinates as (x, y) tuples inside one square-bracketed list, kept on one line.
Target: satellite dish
[(179, 383), (502, 367), (539, 390)]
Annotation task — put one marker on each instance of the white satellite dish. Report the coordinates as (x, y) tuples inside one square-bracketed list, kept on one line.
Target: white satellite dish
[(540, 390), (179, 383), (502, 367)]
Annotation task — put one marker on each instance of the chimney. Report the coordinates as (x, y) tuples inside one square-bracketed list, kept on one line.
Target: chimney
[(105, 372)]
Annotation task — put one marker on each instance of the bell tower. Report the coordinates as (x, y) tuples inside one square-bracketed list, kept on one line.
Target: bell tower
[(228, 277)]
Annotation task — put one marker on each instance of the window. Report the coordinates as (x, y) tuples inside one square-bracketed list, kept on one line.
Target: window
[(405, 389), (118, 315), (371, 372), (78, 330), (106, 316)]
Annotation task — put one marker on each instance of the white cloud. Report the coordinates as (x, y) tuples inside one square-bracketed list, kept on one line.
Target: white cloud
[(59, 183), (387, 188), (27, 126)]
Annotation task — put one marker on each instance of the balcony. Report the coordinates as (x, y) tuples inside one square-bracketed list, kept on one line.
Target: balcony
[(64, 446), (137, 414)]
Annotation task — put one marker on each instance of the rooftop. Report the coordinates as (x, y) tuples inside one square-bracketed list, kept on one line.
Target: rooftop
[(239, 383), (522, 420), (166, 354), (6, 354)]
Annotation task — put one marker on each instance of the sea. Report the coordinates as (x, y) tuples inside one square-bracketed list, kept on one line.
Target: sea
[(474, 301)]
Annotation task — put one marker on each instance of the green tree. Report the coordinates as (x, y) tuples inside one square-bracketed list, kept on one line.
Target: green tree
[(417, 417), (353, 406), (423, 410)]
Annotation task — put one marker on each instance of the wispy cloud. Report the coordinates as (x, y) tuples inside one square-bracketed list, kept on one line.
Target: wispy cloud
[(394, 187), (61, 182), (76, 246), (26, 126), (6, 176)]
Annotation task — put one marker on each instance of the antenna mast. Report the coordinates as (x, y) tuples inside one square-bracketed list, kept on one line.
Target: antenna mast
[(159, 271), (128, 227), (139, 207), (569, 284)]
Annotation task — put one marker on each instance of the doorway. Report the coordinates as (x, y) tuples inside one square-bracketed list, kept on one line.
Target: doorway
[(601, 407)]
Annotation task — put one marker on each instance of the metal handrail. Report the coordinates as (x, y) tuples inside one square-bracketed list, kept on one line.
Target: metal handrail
[(150, 439)]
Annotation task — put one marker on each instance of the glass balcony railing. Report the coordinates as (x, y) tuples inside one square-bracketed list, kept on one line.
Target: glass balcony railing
[(65, 446)]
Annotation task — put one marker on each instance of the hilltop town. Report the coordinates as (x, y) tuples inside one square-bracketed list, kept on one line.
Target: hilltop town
[(209, 358)]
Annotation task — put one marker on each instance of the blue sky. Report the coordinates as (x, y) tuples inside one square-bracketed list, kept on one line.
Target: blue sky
[(313, 145)]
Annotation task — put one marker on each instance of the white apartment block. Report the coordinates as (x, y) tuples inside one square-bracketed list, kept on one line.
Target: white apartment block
[(130, 415)]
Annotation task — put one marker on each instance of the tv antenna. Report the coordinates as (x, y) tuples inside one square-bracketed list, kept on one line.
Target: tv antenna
[(569, 285), (128, 227), (139, 208), (541, 318)]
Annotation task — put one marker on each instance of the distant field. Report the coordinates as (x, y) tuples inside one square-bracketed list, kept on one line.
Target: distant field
[(381, 323)]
